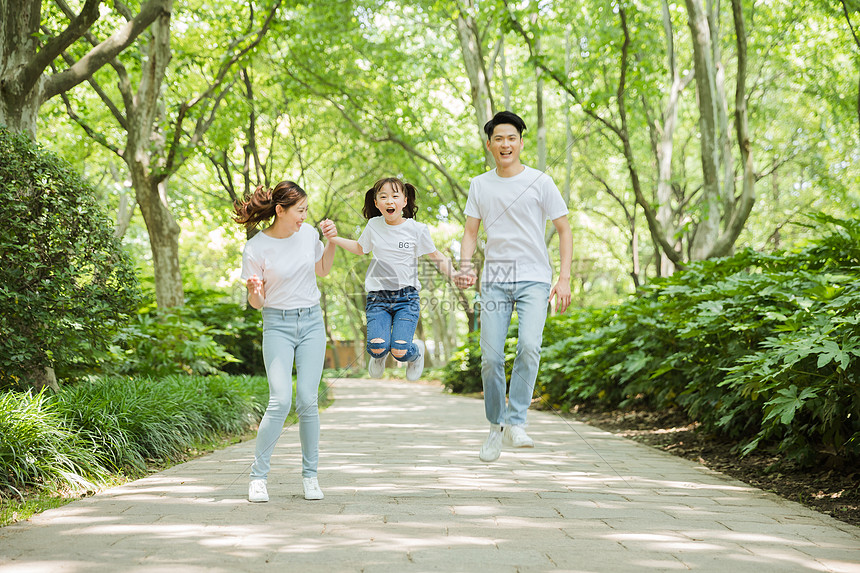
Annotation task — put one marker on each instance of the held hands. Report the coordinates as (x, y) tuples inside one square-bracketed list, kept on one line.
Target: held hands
[(328, 228), (466, 277)]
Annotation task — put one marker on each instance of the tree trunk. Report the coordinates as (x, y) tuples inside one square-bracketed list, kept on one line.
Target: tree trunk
[(473, 59), (503, 67), (541, 127), (708, 228), (163, 240), (24, 60), (666, 142)]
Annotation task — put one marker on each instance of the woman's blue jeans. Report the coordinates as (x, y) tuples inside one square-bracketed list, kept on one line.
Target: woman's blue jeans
[(498, 300), (289, 336), (392, 316)]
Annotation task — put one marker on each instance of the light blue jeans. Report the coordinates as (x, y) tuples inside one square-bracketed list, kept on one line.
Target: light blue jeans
[(291, 335), (498, 300)]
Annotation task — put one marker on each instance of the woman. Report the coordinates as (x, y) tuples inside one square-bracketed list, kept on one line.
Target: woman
[(280, 266)]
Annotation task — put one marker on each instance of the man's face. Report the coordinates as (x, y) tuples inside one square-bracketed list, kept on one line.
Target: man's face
[(505, 144)]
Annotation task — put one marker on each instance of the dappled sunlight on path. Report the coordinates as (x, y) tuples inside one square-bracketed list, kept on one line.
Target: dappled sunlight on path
[(405, 491)]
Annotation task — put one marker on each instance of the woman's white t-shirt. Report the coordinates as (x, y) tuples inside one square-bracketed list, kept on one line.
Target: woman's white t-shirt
[(395, 249), (514, 211), (287, 267)]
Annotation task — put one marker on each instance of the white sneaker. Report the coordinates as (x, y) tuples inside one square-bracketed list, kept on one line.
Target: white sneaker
[(492, 448), (416, 367), (257, 491), (312, 488), (516, 436), (376, 366)]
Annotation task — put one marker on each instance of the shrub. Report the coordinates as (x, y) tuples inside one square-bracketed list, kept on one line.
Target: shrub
[(206, 336), (94, 429), (163, 342), (66, 285), (761, 348), (38, 449)]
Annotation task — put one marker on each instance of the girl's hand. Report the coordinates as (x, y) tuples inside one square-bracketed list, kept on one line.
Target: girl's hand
[(328, 228)]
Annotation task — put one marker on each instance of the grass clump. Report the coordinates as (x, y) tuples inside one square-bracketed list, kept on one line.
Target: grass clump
[(96, 433)]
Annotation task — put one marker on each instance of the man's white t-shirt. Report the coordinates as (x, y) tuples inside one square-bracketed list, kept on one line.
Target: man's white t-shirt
[(287, 267), (514, 211), (395, 249)]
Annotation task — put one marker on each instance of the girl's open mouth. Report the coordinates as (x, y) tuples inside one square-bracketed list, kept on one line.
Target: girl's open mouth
[(390, 210)]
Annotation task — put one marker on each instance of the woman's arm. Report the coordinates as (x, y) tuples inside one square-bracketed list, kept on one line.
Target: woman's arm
[(323, 266)]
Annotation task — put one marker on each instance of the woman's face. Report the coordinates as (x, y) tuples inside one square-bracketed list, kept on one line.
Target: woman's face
[(293, 217), (391, 201)]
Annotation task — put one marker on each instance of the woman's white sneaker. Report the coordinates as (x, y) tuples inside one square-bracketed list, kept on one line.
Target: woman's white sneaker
[(257, 492), (312, 488)]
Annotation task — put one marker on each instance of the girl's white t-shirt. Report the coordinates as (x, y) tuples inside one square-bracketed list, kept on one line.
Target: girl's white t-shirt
[(395, 249), (514, 211), (287, 267)]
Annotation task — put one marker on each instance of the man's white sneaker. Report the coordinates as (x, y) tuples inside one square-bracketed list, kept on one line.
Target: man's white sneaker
[(376, 366), (257, 491), (516, 436), (492, 448), (312, 488), (416, 367)]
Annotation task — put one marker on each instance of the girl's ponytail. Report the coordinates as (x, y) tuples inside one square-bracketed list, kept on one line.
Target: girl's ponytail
[(411, 206)]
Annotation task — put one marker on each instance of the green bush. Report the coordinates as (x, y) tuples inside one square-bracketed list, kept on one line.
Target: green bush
[(206, 336), (239, 330), (761, 348), (66, 285), (39, 450), (162, 342), (462, 374), (94, 429)]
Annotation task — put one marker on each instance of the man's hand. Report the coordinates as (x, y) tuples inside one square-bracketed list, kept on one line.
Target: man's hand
[(561, 291), (466, 277)]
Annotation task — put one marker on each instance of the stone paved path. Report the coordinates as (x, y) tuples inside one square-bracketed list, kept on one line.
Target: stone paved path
[(405, 492)]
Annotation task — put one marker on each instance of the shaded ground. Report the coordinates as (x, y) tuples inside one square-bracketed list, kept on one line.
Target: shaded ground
[(831, 490)]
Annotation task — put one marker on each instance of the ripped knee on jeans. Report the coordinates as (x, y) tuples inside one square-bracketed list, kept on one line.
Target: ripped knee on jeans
[(375, 346), (399, 352)]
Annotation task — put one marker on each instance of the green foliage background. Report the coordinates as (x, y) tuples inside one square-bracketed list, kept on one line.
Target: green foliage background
[(66, 284), (761, 348)]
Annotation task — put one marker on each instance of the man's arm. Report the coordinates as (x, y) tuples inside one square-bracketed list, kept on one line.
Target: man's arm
[(468, 276), (561, 290)]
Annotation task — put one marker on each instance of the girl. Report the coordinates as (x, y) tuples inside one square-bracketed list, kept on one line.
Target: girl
[(278, 265), (396, 241)]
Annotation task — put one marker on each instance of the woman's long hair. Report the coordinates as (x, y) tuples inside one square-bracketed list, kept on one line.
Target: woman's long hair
[(260, 205), (370, 211)]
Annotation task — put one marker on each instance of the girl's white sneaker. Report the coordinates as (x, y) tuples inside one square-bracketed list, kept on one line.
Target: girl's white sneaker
[(376, 366), (416, 367)]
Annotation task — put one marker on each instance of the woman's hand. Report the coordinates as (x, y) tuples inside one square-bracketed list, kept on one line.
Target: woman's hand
[(256, 297), (328, 228)]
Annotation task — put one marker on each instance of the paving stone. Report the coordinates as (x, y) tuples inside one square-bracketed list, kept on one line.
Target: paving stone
[(405, 492)]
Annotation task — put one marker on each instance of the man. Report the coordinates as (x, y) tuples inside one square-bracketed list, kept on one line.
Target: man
[(514, 202)]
